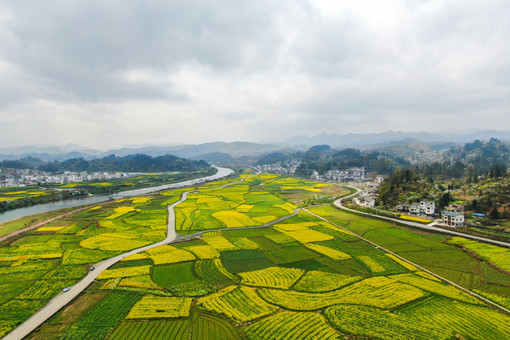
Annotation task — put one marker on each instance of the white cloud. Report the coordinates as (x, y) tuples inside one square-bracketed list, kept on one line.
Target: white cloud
[(109, 74)]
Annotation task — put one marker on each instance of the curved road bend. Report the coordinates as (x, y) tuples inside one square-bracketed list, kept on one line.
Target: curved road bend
[(62, 299), (339, 204)]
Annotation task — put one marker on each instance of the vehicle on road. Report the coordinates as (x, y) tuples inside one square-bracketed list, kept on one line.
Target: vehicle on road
[(66, 289), (92, 268)]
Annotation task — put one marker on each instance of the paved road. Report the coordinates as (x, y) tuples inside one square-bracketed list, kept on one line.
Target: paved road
[(63, 298), (339, 204)]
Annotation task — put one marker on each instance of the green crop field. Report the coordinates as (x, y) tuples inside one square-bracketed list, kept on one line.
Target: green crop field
[(301, 278), (37, 265)]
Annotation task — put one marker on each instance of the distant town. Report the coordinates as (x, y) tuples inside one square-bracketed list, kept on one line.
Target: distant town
[(24, 177)]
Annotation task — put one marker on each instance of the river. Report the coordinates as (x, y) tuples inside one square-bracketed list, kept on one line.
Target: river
[(42, 208)]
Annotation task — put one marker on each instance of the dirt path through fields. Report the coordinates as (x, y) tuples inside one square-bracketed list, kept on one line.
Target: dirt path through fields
[(21, 231)]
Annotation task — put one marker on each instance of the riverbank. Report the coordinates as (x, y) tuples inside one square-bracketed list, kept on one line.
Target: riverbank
[(12, 215)]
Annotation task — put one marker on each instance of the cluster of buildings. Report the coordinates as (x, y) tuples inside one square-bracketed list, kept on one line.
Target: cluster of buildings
[(279, 168), (365, 199), (352, 174), (423, 208), (451, 216), (23, 177)]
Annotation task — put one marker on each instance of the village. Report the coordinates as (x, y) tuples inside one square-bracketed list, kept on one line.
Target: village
[(450, 216), (24, 177)]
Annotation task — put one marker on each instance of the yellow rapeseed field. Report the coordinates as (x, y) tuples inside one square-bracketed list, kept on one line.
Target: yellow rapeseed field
[(403, 263), (169, 254), (374, 266), (244, 208), (121, 211), (216, 240), (142, 281), (300, 233), (275, 277), (50, 228), (329, 252), (380, 292), (124, 272), (238, 303), (150, 306), (113, 242), (234, 219), (415, 219), (265, 219), (137, 200), (204, 252)]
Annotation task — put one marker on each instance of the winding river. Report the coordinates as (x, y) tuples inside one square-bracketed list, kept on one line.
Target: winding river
[(42, 208)]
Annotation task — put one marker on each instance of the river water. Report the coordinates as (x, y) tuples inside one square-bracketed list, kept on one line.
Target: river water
[(42, 208)]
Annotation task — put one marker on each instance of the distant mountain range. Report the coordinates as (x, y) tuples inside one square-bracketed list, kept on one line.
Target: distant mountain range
[(222, 152), (390, 137)]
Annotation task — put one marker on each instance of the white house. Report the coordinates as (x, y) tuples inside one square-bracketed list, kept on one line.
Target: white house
[(414, 208), (427, 207), (453, 219)]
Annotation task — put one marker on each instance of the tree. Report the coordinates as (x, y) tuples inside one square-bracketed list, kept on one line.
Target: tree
[(494, 215), (444, 200), (474, 205)]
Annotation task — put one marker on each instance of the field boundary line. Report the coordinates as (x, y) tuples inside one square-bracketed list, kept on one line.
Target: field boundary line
[(40, 224), (375, 245)]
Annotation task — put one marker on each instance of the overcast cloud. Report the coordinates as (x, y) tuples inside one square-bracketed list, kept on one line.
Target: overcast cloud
[(109, 73)]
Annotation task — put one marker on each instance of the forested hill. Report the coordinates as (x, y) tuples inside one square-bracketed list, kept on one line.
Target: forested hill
[(322, 158), (478, 158), (112, 163)]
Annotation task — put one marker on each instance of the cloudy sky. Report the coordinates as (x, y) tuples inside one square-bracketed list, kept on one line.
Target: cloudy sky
[(110, 73)]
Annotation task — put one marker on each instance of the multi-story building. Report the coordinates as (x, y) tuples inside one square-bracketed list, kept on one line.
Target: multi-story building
[(452, 219), (455, 208), (428, 207), (415, 208)]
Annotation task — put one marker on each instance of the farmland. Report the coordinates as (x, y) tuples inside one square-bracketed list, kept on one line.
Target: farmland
[(36, 265), (262, 294), (18, 197), (301, 278), (258, 200)]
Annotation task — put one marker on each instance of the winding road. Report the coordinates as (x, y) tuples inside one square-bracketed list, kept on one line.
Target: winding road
[(339, 204), (63, 298)]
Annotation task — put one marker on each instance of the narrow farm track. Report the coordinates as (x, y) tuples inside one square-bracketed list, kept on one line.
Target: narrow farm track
[(339, 204), (63, 298), (21, 231)]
